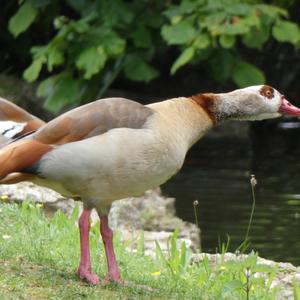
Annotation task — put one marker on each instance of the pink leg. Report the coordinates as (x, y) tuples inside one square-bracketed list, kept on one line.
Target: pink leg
[(85, 270), (107, 237)]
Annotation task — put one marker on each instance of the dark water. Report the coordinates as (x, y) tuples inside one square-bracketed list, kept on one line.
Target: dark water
[(217, 172)]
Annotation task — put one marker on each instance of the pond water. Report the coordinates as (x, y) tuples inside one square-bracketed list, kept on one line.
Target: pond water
[(217, 172)]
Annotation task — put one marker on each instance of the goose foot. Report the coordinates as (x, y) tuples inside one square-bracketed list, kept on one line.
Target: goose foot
[(88, 276)]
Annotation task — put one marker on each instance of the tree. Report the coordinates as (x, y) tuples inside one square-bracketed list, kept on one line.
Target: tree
[(90, 43)]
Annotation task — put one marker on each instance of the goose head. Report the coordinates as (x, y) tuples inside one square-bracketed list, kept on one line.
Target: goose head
[(252, 103)]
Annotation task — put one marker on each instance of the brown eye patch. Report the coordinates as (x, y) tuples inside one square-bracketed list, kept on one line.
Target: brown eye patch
[(267, 91)]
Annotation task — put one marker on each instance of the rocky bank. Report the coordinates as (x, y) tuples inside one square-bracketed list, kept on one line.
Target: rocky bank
[(153, 214)]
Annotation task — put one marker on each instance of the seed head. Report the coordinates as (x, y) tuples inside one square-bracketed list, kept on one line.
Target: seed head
[(253, 180)]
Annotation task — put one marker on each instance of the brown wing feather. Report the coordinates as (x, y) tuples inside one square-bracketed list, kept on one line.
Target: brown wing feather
[(21, 154), (93, 119), (11, 112)]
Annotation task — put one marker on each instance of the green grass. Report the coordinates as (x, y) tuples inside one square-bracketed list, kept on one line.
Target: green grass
[(39, 256)]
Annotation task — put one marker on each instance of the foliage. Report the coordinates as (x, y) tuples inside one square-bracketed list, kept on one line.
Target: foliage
[(178, 261), (212, 31), (39, 257), (96, 41)]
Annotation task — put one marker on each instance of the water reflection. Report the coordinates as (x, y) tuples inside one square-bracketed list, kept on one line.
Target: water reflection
[(217, 172)]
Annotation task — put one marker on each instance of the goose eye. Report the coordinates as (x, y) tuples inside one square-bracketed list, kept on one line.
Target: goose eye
[(269, 94), (267, 91)]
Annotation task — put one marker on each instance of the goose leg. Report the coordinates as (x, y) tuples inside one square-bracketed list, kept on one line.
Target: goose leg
[(85, 269), (107, 237)]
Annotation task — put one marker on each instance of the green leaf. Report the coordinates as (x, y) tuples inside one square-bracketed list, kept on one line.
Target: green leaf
[(115, 13), (141, 37), (46, 87), (232, 286), (114, 46), (33, 71), (238, 9), (222, 63), (136, 69), (152, 19), (227, 41), (286, 31), (185, 7), (59, 90), (245, 74), (231, 266), (55, 58), (257, 36), (238, 28), (183, 59), (272, 11), (178, 34), (23, 18), (174, 250), (202, 41), (160, 255), (263, 268), (251, 260), (91, 61)]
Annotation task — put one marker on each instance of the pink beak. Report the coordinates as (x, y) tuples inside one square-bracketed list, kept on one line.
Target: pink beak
[(286, 108)]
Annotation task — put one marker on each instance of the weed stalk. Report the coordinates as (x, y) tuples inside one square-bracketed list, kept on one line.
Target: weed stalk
[(244, 245), (196, 207)]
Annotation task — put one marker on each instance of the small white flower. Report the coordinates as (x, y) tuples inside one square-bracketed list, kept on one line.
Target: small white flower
[(6, 237)]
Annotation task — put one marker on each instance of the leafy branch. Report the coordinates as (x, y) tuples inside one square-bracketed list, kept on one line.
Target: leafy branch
[(91, 37)]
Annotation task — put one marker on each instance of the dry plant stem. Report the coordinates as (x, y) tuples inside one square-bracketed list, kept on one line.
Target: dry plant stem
[(195, 205), (253, 184)]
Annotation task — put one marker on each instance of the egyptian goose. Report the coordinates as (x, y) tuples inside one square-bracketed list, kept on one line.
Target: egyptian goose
[(115, 148), (15, 121)]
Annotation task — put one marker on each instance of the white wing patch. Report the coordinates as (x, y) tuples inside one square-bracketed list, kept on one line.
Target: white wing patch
[(9, 129)]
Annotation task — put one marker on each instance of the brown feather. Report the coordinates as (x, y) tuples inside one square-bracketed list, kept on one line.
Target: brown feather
[(11, 112), (93, 119), (207, 102), (21, 154), (33, 125), (16, 178)]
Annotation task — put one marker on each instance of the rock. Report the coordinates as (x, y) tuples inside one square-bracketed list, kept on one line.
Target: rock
[(152, 212), (132, 238), (29, 191)]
